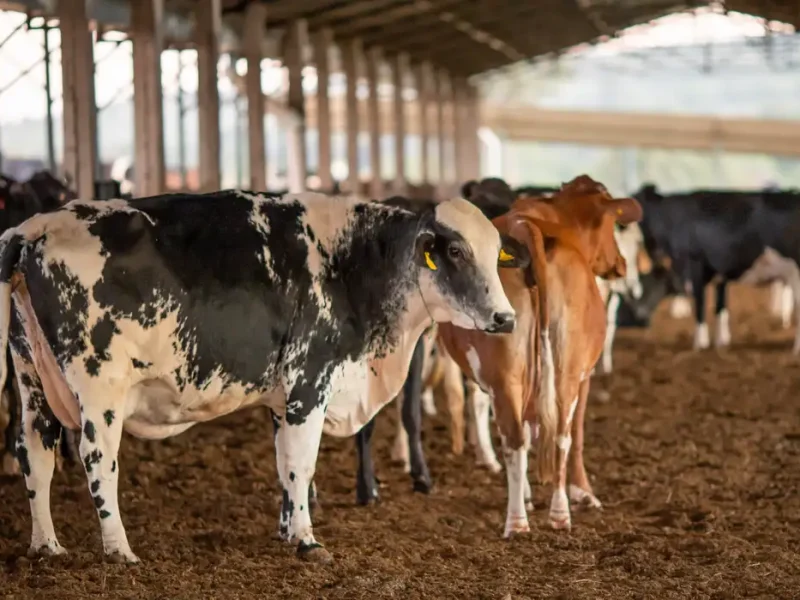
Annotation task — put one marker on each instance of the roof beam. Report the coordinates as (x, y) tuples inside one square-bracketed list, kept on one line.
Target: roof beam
[(401, 12), (349, 10)]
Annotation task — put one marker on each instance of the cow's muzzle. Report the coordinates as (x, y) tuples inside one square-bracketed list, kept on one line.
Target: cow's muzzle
[(502, 322)]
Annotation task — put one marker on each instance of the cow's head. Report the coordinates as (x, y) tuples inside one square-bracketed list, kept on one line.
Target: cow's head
[(459, 251), (593, 206), (630, 243)]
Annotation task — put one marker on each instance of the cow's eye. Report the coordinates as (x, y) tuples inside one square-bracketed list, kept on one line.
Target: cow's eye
[(455, 252)]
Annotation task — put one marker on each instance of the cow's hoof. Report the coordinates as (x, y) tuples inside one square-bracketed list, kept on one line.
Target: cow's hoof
[(314, 553), (492, 464), (423, 486), (48, 550), (516, 526), (10, 465), (580, 496), (365, 499), (529, 505), (120, 557), (558, 521), (282, 535)]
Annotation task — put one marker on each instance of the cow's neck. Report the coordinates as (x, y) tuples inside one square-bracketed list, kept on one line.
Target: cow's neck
[(390, 370)]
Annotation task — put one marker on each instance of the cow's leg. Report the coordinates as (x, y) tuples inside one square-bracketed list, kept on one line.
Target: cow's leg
[(400, 447), (280, 462), (453, 389), (508, 407), (580, 490), (701, 338), (568, 396), (428, 404), (36, 451), (776, 297), (481, 403), (412, 420), (101, 426), (366, 485), (10, 466), (297, 443), (723, 325), (527, 493), (787, 304), (611, 328)]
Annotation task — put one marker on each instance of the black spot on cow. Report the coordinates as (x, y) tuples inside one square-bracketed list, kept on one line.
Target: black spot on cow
[(113, 466), (26, 380), (310, 234), (44, 422), (104, 514), (108, 416), (291, 476), (99, 501), (31, 494), (95, 486), (287, 508), (22, 458), (92, 364), (140, 364), (89, 431), (85, 212), (91, 459)]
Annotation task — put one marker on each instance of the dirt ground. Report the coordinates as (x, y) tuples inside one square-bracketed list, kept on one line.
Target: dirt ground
[(695, 456)]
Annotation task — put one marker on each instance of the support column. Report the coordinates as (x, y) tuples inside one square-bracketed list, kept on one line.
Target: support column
[(461, 132), (352, 54), (323, 40), (446, 157), (294, 42), (423, 77), (80, 114), (208, 19), (440, 131), (148, 41), (473, 124), (374, 58), (254, 24), (399, 72)]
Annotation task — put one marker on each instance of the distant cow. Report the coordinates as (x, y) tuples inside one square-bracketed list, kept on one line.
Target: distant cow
[(155, 314), (753, 237)]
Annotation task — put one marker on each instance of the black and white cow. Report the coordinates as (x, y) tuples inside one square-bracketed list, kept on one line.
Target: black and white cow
[(155, 314), (19, 200), (753, 237)]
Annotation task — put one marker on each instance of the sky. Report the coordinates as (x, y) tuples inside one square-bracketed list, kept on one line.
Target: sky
[(26, 99)]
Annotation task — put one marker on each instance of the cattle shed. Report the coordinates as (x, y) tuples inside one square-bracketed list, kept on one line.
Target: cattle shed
[(429, 52)]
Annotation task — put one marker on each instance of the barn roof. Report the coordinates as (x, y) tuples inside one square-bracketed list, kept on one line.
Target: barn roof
[(467, 37)]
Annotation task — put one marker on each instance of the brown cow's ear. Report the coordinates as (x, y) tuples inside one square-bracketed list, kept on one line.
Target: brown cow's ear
[(468, 189), (513, 254), (625, 210)]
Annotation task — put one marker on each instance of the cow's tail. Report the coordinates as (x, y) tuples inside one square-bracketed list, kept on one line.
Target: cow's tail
[(544, 388), (10, 248)]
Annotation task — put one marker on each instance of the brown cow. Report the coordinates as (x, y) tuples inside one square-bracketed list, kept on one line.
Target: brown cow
[(571, 239)]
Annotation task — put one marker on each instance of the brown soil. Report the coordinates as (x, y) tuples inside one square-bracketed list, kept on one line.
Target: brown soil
[(696, 457)]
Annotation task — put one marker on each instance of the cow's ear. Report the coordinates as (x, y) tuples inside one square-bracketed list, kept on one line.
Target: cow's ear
[(624, 210), (468, 190), (423, 250), (513, 253)]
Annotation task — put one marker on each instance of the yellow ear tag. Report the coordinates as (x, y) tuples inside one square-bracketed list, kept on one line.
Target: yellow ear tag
[(619, 211), (505, 256), (431, 265)]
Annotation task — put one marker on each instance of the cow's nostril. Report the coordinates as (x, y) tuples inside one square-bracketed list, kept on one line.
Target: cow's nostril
[(504, 322)]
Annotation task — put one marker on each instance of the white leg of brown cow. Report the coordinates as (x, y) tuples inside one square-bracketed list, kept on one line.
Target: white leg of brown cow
[(101, 425), (400, 450), (567, 404), (580, 490), (37, 446), (508, 408), (428, 405), (527, 492), (787, 306), (484, 450), (776, 298)]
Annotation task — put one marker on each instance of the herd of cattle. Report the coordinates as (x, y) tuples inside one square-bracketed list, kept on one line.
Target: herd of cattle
[(155, 314)]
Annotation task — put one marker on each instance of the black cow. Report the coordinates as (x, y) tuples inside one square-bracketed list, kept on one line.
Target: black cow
[(753, 237)]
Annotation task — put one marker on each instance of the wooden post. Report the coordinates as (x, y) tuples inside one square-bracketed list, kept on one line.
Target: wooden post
[(374, 58), (352, 52), (423, 98), (148, 41), (207, 26), (323, 40), (253, 39), (294, 42), (399, 72), (441, 81), (473, 124), (80, 112), (460, 149)]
